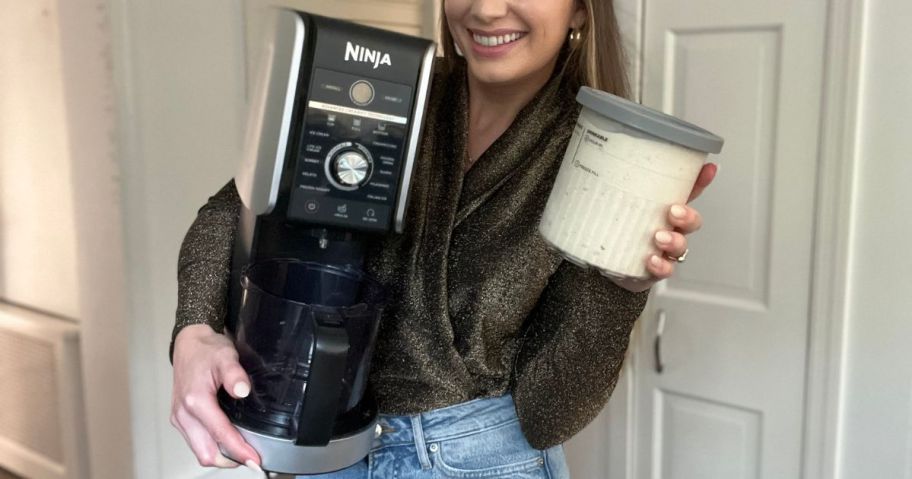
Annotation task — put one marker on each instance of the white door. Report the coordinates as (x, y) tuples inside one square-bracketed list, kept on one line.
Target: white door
[(728, 403)]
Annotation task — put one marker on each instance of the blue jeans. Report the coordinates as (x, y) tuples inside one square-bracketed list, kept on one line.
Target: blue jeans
[(476, 439)]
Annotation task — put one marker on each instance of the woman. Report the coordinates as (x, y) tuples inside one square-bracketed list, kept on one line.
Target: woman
[(496, 351)]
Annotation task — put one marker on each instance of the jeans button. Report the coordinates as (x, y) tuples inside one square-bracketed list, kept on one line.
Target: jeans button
[(434, 448)]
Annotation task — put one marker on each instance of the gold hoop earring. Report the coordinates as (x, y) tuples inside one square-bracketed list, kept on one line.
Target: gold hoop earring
[(575, 35)]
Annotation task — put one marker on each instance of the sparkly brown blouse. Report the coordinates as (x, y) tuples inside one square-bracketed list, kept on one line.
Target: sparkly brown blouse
[(481, 307)]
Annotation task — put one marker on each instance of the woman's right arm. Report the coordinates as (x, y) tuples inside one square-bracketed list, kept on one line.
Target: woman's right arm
[(204, 359)]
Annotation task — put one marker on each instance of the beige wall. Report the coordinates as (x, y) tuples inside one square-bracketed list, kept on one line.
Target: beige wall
[(37, 245)]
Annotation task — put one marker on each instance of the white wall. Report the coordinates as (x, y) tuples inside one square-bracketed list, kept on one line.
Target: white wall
[(37, 247), (876, 437), (183, 91)]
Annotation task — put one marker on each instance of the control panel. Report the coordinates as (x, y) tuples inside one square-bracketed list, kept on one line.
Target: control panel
[(350, 151)]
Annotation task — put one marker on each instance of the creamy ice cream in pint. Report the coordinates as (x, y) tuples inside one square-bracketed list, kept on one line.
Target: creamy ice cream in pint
[(624, 166)]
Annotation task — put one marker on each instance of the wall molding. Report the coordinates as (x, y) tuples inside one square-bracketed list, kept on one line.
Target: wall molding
[(832, 240)]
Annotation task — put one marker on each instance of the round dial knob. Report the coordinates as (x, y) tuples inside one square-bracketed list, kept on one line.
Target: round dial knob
[(351, 168)]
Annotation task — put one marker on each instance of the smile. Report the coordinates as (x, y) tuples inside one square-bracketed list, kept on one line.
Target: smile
[(496, 40)]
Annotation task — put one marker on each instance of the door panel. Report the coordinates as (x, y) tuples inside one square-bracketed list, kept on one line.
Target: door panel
[(714, 430), (715, 74), (729, 402)]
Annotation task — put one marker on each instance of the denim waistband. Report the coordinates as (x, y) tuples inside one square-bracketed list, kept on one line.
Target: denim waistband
[(447, 423)]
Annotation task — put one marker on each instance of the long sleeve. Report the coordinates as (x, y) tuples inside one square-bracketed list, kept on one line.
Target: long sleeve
[(580, 314), (204, 263)]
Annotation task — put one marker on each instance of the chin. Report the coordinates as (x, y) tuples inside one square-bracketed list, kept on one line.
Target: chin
[(495, 73)]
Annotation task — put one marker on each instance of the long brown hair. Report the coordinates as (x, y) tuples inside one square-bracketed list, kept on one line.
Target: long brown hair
[(597, 59)]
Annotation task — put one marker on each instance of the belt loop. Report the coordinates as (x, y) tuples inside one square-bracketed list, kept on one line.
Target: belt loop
[(420, 445)]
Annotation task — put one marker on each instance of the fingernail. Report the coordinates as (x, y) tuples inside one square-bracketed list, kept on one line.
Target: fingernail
[(254, 466), (663, 237), (241, 390), (655, 260), (678, 211)]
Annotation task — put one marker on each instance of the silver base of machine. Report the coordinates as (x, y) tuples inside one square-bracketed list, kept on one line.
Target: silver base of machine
[(284, 457)]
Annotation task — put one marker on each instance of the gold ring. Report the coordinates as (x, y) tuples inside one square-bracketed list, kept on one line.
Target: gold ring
[(680, 259)]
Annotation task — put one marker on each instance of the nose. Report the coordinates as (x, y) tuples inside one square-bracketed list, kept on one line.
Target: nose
[(487, 10)]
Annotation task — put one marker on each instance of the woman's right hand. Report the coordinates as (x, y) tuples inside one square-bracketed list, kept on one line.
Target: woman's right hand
[(205, 360)]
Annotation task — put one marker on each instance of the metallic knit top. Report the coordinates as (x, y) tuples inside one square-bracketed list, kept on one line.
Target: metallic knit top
[(480, 306)]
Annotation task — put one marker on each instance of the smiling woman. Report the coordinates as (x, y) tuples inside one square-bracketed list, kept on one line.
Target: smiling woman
[(596, 55), (495, 351)]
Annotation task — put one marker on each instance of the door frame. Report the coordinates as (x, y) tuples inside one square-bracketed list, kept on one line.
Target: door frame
[(828, 308), (824, 389)]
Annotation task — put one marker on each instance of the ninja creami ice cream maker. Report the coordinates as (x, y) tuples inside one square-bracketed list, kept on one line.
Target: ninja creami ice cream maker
[(332, 137)]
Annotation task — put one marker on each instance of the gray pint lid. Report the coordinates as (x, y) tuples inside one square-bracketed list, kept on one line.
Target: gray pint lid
[(649, 121)]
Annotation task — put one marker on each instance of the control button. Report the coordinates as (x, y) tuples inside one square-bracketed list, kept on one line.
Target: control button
[(341, 211), (330, 87), (321, 189), (361, 93), (311, 206), (370, 213), (348, 166), (351, 168), (318, 133), (384, 144)]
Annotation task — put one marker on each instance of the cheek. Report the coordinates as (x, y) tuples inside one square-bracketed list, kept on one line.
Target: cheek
[(551, 27), (455, 10)]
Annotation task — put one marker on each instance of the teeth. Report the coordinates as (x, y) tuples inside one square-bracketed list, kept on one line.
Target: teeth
[(496, 40)]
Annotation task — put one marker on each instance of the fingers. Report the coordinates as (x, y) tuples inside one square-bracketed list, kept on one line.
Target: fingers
[(233, 378), (704, 178), (201, 443), (204, 361), (205, 410), (661, 268), (685, 219), (671, 243)]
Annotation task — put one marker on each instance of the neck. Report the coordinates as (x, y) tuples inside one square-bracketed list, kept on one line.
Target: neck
[(493, 107), (493, 100)]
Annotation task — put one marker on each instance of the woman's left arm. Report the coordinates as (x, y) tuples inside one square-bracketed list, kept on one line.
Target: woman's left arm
[(673, 243), (571, 354)]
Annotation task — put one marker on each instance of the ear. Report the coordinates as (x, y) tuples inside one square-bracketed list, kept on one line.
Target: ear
[(580, 15)]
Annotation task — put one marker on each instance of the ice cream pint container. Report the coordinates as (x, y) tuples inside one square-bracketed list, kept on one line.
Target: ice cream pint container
[(626, 164)]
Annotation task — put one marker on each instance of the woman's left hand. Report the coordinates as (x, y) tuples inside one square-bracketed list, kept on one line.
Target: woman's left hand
[(673, 243)]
